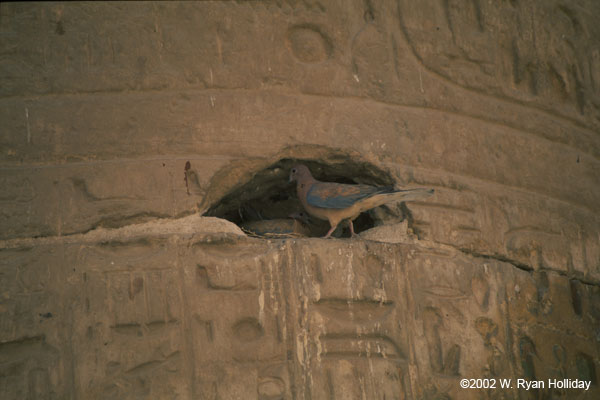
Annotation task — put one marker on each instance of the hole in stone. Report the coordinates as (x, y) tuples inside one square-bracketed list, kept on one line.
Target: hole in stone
[(248, 330), (268, 199), (575, 287)]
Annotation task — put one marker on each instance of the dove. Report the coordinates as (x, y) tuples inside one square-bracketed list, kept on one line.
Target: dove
[(336, 202)]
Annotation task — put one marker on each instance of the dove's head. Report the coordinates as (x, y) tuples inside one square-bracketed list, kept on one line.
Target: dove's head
[(299, 172)]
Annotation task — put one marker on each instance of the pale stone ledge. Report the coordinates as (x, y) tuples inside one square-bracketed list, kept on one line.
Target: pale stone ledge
[(192, 224)]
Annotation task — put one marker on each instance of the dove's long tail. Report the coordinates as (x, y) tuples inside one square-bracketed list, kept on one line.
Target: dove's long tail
[(411, 194), (394, 195)]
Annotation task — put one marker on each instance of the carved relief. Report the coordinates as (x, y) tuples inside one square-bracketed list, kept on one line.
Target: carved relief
[(455, 40), (309, 44), (351, 341)]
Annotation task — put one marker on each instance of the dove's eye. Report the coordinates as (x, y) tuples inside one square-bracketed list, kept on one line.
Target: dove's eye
[(293, 170)]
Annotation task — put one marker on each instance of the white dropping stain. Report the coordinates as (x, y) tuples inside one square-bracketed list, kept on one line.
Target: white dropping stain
[(320, 345), (363, 391), (27, 124), (212, 101), (261, 307), (319, 349), (350, 277), (317, 292), (356, 78), (272, 289), (379, 295)]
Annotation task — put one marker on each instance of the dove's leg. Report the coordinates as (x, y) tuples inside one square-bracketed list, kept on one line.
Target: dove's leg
[(351, 228), (330, 231)]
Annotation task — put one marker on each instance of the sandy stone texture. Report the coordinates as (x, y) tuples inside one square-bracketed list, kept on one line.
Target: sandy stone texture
[(123, 123)]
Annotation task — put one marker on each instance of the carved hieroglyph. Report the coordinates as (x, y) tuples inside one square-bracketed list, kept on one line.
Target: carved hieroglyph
[(225, 316), (115, 114)]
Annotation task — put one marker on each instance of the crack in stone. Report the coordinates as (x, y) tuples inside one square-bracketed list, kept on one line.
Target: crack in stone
[(496, 257), (525, 267)]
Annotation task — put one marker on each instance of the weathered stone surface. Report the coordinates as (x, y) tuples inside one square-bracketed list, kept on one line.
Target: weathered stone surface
[(161, 315), (122, 122)]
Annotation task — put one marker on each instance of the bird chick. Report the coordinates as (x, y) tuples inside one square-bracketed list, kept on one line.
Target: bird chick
[(335, 202)]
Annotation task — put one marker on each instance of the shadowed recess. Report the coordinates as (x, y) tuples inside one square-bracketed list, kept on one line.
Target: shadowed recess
[(269, 196)]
